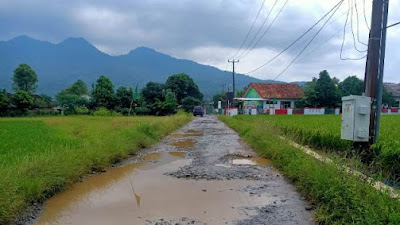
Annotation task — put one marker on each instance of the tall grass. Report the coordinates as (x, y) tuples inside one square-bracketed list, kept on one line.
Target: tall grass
[(340, 197), (323, 133), (41, 156)]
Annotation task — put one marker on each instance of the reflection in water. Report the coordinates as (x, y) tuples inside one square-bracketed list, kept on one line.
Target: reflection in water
[(251, 161), (98, 186), (94, 185)]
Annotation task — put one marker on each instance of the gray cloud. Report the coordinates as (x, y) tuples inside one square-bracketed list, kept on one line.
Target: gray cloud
[(206, 31)]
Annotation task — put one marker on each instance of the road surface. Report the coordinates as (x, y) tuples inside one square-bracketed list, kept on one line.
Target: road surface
[(202, 174)]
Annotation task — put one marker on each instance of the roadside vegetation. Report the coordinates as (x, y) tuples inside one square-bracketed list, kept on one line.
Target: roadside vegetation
[(103, 98), (323, 133), (339, 198), (43, 155)]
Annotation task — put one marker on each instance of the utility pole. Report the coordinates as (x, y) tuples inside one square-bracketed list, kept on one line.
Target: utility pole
[(233, 74), (373, 82)]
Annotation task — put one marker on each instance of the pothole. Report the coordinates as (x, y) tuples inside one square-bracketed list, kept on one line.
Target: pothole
[(243, 160), (189, 143), (188, 133)]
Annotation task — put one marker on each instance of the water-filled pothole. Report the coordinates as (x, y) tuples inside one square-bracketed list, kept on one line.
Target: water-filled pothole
[(189, 143), (188, 133)]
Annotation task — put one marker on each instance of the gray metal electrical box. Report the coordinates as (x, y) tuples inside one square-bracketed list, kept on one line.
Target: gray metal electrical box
[(356, 112)]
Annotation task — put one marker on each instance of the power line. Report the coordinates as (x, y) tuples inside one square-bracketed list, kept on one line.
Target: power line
[(312, 39), (351, 9), (358, 26), (297, 40), (259, 29), (251, 28), (265, 32), (392, 25), (344, 39), (365, 16)]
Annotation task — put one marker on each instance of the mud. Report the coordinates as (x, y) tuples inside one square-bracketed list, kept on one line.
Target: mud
[(214, 180)]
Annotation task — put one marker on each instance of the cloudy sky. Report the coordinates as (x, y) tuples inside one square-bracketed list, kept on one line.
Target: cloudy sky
[(211, 31)]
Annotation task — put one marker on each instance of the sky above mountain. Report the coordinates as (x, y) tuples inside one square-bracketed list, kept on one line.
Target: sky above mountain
[(209, 31)]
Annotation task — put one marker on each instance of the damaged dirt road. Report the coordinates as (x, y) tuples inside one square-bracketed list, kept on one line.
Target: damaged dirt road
[(202, 174)]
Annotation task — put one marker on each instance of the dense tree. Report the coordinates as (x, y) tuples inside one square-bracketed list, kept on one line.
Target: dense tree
[(183, 86), (166, 107), (124, 97), (189, 103), (326, 90), (310, 95), (351, 86), (153, 91), (387, 98), (22, 100), (78, 88), (4, 101), (25, 79), (103, 93)]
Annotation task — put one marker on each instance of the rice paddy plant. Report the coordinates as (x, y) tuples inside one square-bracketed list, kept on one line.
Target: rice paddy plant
[(340, 198), (41, 156)]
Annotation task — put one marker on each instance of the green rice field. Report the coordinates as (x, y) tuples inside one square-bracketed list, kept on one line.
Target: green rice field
[(41, 156)]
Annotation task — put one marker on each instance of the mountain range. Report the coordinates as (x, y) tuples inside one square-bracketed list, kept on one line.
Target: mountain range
[(59, 65)]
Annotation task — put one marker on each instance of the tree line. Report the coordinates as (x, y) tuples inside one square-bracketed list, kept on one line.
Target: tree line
[(325, 91), (179, 91)]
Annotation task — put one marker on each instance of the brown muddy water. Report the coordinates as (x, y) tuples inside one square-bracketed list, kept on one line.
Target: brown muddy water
[(188, 143), (139, 192)]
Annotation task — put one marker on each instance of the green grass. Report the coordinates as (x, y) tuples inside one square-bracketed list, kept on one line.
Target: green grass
[(340, 197), (323, 133), (41, 156)]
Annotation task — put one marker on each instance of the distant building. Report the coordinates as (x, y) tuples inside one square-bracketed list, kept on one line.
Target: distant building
[(263, 96), (395, 90)]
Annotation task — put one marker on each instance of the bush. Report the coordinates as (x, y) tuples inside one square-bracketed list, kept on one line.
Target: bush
[(82, 111), (105, 112)]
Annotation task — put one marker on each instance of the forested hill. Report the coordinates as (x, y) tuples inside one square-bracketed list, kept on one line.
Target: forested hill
[(59, 65)]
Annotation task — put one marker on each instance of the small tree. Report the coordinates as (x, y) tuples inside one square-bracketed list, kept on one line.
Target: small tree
[(387, 98), (22, 100), (327, 91), (124, 97), (103, 93), (78, 88), (166, 107), (189, 103), (25, 79), (351, 86), (183, 86), (152, 91)]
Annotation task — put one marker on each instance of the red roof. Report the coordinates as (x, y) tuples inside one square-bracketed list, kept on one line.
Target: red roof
[(277, 90)]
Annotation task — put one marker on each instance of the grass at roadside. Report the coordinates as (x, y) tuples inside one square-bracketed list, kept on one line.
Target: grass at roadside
[(41, 156), (323, 133), (340, 198)]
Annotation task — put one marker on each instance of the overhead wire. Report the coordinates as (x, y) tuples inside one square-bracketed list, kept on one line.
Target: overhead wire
[(358, 24), (251, 29), (351, 9), (365, 16), (298, 39), (344, 39), (308, 44), (266, 31), (259, 29)]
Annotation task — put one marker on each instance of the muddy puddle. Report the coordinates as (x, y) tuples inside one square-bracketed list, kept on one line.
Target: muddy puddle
[(185, 144), (188, 133), (259, 161), (140, 193)]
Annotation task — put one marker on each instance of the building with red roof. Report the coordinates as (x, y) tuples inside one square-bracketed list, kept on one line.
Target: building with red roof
[(263, 96)]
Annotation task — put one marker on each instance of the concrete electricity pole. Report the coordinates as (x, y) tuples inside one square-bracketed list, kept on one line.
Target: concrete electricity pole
[(373, 82), (233, 74)]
